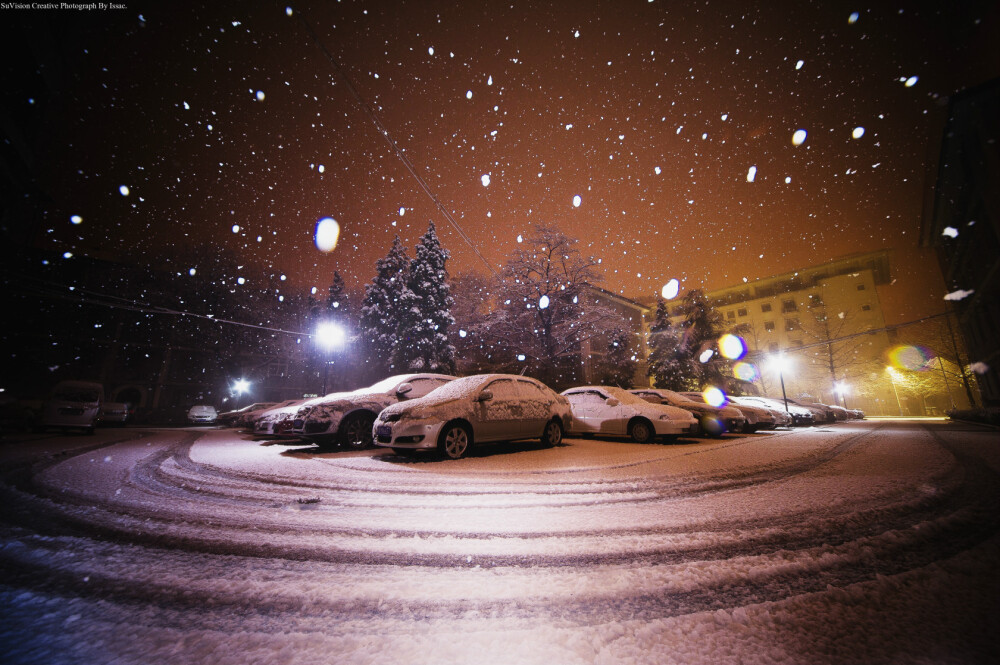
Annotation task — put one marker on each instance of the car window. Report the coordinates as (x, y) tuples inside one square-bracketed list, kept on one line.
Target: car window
[(651, 397), (423, 386), (589, 398), (502, 389), (531, 391)]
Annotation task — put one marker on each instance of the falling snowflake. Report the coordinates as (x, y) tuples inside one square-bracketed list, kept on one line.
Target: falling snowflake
[(799, 137)]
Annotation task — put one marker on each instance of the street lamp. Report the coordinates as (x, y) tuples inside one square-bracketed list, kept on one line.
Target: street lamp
[(782, 364), (330, 336), (841, 389), (892, 377), (240, 386)]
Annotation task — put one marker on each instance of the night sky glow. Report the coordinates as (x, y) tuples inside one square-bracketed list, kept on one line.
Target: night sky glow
[(710, 142)]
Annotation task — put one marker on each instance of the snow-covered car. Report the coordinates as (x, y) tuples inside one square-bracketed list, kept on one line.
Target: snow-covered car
[(801, 416), (347, 417), (73, 404), (821, 413), (781, 417), (616, 412), (247, 418), (474, 410), (712, 420), (114, 413), (757, 416), (277, 421), (232, 417), (202, 414)]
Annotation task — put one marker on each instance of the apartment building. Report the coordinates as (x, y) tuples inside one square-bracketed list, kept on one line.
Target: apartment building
[(826, 319)]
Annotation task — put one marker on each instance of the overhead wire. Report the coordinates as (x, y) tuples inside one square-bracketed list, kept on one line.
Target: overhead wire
[(370, 112)]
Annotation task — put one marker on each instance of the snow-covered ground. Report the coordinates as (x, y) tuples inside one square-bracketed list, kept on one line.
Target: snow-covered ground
[(864, 542)]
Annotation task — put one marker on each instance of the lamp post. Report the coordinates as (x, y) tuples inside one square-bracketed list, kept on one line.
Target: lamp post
[(841, 389), (781, 363), (240, 386), (330, 336), (892, 377)]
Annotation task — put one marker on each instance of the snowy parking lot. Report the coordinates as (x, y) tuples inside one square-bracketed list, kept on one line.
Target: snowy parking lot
[(860, 542)]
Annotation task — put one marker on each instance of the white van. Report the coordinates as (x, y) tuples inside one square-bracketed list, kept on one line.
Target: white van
[(74, 404)]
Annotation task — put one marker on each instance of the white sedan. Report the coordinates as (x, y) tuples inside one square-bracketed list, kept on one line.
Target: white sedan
[(473, 410), (616, 412)]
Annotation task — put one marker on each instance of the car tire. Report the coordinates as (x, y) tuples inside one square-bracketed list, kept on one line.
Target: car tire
[(455, 440), (552, 435), (641, 430), (356, 431)]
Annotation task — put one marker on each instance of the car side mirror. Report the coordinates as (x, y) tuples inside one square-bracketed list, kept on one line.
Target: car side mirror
[(485, 396), (404, 388), (613, 401)]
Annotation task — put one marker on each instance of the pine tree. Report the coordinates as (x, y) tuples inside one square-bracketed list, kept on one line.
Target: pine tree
[(425, 311), (671, 364), (619, 364), (381, 306), (338, 306)]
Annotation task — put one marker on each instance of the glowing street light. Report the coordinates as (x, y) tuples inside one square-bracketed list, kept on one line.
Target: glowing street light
[(240, 386), (892, 380), (782, 364), (330, 336), (841, 389)]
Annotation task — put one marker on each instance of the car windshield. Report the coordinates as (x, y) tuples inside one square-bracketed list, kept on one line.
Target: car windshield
[(386, 385), (76, 395), (457, 388), (623, 396)]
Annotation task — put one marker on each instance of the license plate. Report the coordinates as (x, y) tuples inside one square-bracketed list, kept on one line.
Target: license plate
[(384, 431)]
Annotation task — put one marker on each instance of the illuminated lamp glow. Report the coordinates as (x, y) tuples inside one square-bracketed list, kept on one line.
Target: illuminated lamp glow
[(732, 347), (671, 289), (746, 371), (327, 234), (714, 396), (330, 335), (241, 385)]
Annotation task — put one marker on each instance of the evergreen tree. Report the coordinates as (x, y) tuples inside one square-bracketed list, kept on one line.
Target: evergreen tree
[(619, 364), (671, 364), (338, 305), (425, 312), (701, 328), (380, 308)]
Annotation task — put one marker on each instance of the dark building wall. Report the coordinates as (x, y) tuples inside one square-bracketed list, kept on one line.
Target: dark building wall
[(962, 223)]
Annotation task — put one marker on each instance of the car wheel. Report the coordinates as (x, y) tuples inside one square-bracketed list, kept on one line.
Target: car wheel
[(356, 431), (640, 431), (454, 440), (552, 434)]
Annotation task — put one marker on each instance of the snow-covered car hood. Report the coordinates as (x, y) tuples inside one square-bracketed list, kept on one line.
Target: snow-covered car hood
[(336, 404)]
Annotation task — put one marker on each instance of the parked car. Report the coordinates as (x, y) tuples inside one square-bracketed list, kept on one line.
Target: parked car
[(800, 415), (474, 410), (115, 413), (712, 420), (202, 414), (781, 417), (277, 421), (821, 413), (757, 417), (616, 412), (230, 417), (347, 417), (74, 404), (248, 417)]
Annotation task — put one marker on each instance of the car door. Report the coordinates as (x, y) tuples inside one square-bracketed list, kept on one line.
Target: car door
[(535, 409), (496, 416), (588, 408)]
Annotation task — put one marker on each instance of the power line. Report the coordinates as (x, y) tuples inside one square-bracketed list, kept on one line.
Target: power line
[(370, 112)]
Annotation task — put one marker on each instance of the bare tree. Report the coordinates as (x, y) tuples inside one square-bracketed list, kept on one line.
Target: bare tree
[(543, 312)]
